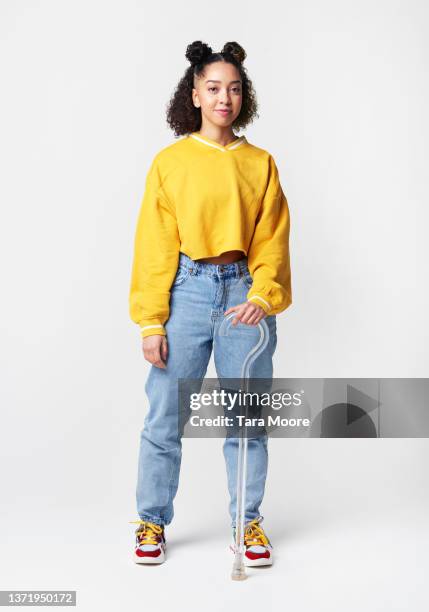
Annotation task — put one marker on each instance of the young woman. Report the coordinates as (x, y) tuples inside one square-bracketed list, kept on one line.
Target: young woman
[(212, 238)]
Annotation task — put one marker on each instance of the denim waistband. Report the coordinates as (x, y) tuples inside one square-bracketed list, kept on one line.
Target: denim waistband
[(235, 269)]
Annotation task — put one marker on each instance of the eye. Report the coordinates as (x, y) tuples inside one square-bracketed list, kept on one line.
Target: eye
[(212, 88)]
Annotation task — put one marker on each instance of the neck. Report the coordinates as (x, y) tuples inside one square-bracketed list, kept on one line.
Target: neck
[(222, 136)]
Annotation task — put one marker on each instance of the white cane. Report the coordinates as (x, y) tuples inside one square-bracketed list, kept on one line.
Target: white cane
[(238, 569)]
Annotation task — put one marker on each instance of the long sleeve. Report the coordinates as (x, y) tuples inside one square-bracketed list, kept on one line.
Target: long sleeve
[(268, 256), (156, 256)]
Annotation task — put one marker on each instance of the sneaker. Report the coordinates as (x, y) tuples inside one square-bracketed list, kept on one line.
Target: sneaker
[(150, 544), (258, 548)]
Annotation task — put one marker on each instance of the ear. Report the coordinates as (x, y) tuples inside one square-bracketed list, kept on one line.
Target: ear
[(195, 99)]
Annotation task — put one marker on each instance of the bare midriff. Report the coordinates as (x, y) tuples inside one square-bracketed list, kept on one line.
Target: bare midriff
[(224, 258)]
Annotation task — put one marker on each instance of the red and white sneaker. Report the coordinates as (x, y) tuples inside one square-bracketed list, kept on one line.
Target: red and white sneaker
[(150, 544), (258, 548)]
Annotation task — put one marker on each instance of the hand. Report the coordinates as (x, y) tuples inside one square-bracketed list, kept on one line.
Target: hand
[(155, 350), (247, 312)]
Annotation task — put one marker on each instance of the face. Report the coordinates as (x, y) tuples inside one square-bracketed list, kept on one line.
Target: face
[(218, 92)]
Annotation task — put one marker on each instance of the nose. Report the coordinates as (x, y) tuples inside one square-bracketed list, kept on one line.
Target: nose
[(224, 97)]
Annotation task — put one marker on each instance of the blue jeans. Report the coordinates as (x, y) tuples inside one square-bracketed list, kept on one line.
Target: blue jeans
[(200, 294)]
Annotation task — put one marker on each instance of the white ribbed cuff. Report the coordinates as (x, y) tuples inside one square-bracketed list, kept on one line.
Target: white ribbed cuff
[(150, 327)]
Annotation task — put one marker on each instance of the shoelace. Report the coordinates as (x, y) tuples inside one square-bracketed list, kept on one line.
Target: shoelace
[(254, 535), (148, 532)]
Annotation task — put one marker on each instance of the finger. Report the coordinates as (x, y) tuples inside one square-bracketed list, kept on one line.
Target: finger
[(260, 314), (236, 319), (254, 319), (153, 355), (257, 315), (249, 312), (159, 364), (150, 358), (240, 311), (231, 309)]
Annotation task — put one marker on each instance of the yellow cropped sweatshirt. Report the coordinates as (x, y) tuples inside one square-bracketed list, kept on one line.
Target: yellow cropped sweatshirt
[(202, 199)]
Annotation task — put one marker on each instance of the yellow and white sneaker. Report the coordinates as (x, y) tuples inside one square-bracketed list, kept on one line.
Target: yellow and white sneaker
[(258, 548), (150, 546)]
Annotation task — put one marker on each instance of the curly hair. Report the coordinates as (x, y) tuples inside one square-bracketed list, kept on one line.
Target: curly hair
[(182, 116)]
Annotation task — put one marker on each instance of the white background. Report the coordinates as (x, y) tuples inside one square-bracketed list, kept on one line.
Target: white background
[(343, 97)]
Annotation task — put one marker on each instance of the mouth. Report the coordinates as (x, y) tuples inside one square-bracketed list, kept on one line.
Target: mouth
[(222, 112)]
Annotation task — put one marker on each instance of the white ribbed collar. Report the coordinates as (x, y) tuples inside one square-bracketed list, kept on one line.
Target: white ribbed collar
[(211, 143)]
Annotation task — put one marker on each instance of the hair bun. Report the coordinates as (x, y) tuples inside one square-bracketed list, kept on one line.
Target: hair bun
[(236, 50), (197, 52)]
